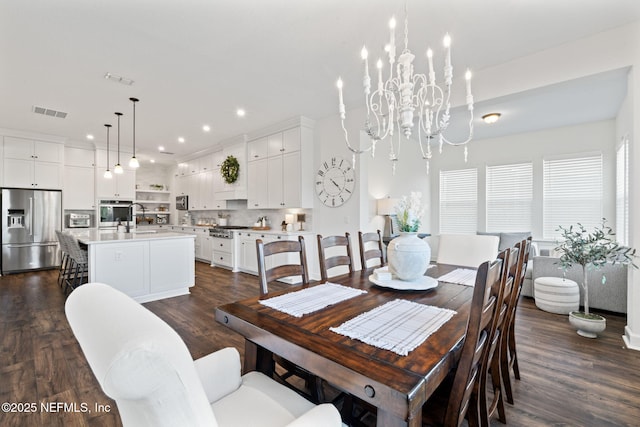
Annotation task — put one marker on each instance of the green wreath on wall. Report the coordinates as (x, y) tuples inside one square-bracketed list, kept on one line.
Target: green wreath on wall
[(230, 169)]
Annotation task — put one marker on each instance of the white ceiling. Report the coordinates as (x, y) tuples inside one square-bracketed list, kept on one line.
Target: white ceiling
[(195, 61)]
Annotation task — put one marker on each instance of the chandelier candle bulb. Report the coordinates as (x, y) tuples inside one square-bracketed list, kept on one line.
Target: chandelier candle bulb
[(367, 80), (341, 101), (392, 40), (467, 77), (432, 74)]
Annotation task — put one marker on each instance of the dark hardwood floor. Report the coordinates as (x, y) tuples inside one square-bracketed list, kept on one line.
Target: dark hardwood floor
[(567, 380)]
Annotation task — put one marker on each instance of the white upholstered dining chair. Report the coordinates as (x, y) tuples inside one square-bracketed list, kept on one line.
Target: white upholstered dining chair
[(144, 365), (467, 250)]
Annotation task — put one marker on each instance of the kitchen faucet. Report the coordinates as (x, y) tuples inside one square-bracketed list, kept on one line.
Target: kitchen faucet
[(130, 215)]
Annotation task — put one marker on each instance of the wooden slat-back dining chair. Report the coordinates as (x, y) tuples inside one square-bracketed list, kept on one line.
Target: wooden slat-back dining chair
[(329, 243), (508, 354), (374, 241), (499, 329), (265, 250), (268, 275), (458, 396)]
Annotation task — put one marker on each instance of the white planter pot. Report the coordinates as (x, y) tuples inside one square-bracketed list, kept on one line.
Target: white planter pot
[(408, 256), (589, 328)]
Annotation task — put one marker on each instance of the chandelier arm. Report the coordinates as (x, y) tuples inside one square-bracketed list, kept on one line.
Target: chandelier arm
[(469, 137), (354, 150)]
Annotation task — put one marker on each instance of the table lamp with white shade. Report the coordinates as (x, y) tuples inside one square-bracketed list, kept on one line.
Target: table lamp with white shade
[(386, 208)]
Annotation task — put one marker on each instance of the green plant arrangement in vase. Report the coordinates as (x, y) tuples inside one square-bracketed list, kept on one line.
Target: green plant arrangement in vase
[(591, 250), (230, 169)]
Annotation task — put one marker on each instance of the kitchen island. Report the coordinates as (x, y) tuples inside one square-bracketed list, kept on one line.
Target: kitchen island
[(146, 266)]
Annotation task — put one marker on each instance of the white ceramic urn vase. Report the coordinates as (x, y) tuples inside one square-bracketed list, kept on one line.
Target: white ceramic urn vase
[(408, 256)]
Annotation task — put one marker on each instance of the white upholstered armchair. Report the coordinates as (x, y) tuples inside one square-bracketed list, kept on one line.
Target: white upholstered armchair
[(144, 365)]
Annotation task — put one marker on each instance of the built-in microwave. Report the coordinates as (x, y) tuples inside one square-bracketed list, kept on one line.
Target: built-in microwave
[(113, 212), (182, 203)]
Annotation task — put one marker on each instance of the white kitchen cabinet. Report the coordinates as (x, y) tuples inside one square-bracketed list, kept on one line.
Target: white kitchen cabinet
[(203, 244), (32, 164), (222, 252), (79, 179), (79, 190), (248, 257), (257, 149), (120, 186), (288, 170), (258, 185), (181, 185), (27, 149), (238, 189), (79, 157)]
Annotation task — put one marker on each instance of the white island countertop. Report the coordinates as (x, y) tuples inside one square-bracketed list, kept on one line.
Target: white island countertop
[(96, 236)]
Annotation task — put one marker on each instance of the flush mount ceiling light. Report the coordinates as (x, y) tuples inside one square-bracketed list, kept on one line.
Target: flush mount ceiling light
[(491, 117), (392, 103), (118, 168), (118, 79), (133, 163), (107, 173)]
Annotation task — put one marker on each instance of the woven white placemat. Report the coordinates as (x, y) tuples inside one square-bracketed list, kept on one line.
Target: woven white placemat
[(461, 276), (312, 299), (399, 325)]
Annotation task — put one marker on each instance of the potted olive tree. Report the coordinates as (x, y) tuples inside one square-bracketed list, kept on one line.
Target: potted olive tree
[(591, 251)]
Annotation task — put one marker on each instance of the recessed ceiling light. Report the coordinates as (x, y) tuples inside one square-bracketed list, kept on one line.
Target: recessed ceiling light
[(161, 148), (491, 117), (181, 140), (152, 161), (240, 112), (206, 128), (90, 137)]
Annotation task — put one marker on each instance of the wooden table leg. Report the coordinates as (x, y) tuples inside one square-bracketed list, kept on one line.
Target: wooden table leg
[(257, 358), (385, 418)]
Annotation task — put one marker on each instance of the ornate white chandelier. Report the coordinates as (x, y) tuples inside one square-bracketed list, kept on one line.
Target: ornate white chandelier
[(392, 105)]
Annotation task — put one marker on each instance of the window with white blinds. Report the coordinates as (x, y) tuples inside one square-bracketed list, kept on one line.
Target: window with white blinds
[(510, 197), (622, 193), (459, 201), (572, 193)]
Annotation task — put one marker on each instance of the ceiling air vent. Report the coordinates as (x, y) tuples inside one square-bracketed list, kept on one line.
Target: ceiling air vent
[(49, 112), (167, 152)]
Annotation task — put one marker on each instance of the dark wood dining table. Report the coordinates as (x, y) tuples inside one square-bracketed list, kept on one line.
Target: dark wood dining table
[(396, 385)]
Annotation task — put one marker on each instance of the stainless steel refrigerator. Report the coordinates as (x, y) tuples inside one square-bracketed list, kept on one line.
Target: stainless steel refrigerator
[(30, 219)]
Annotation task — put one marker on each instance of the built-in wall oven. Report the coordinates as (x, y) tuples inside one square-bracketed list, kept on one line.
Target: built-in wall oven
[(113, 212)]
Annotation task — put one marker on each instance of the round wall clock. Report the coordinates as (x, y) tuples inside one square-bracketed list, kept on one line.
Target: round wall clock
[(335, 181)]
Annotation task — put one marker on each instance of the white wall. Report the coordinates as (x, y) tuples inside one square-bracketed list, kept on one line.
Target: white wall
[(531, 147)]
